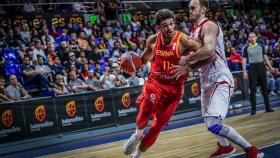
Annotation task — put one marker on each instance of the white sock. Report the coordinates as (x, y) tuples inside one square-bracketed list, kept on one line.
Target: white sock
[(139, 132), (222, 141)]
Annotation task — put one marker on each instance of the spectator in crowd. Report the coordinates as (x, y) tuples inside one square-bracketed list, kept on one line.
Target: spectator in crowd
[(47, 37), (60, 87), (88, 29), (133, 80), (31, 76), (15, 91), (235, 60), (45, 70), (107, 80), (62, 37), (120, 79), (3, 94), (82, 41), (25, 33), (84, 72), (92, 81), (38, 51), (72, 61), (57, 68), (76, 84)]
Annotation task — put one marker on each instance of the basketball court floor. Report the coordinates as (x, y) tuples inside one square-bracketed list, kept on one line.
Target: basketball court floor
[(186, 138)]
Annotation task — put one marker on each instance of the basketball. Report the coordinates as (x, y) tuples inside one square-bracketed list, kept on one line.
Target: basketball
[(130, 62)]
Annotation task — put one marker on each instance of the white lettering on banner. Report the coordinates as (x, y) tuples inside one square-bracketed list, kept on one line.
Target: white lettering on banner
[(97, 117), (194, 99), (68, 122), (37, 127), (5, 132), (124, 112), (237, 92)]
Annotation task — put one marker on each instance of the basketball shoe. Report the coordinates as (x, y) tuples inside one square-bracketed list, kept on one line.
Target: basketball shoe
[(223, 151), (253, 152), (130, 146)]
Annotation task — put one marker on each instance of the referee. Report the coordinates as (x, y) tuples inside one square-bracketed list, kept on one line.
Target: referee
[(255, 54)]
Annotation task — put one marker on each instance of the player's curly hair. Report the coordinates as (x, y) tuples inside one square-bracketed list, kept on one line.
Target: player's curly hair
[(163, 14)]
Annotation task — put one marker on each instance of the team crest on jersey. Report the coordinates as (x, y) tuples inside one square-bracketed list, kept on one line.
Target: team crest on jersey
[(153, 97), (174, 46)]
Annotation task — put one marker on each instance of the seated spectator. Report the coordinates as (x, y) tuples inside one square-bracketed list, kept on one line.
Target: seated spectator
[(92, 81), (83, 43), (60, 87), (76, 84), (107, 80), (235, 59), (57, 68), (84, 72), (72, 61), (15, 91), (133, 80), (3, 94), (28, 7), (46, 37), (45, 70), (62, 37), (120, 80), (31, 76), (38, 51)]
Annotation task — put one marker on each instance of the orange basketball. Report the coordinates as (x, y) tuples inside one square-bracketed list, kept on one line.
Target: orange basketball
[(130, 62)]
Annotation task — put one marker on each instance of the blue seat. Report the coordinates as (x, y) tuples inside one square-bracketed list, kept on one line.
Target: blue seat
[(10, 56), (13, 69)]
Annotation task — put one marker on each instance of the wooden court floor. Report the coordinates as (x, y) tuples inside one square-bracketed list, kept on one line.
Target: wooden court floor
[(261, 130)]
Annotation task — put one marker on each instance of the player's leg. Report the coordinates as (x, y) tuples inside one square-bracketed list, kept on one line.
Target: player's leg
[(147, 104), (214, 116), (160, 120)]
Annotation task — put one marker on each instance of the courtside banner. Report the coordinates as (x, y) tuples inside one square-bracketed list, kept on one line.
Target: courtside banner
[(192, 95), (71, 113), (12, 126), (124, 103), (238, 91), (100, 109), (40, 117)]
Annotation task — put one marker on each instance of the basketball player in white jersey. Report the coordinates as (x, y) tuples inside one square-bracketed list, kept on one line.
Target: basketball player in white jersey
[(216, 81)]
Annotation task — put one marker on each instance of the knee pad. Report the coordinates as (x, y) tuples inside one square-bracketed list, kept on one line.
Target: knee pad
[(216, 128)]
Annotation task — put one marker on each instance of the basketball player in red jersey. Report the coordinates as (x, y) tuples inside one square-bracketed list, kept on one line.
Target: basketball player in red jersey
[(162, 92), (216, 80)]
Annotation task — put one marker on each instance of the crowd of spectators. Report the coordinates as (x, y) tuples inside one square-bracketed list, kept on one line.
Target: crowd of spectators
[(85, 57)]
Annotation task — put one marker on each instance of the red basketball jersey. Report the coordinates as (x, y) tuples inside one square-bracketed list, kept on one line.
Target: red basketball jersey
[(163, 57)]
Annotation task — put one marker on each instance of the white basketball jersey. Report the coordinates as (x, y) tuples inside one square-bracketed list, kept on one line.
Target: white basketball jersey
[(217, 71)]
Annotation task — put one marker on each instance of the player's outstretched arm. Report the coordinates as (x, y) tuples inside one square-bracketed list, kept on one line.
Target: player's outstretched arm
[(207, 52), (147, 53)]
